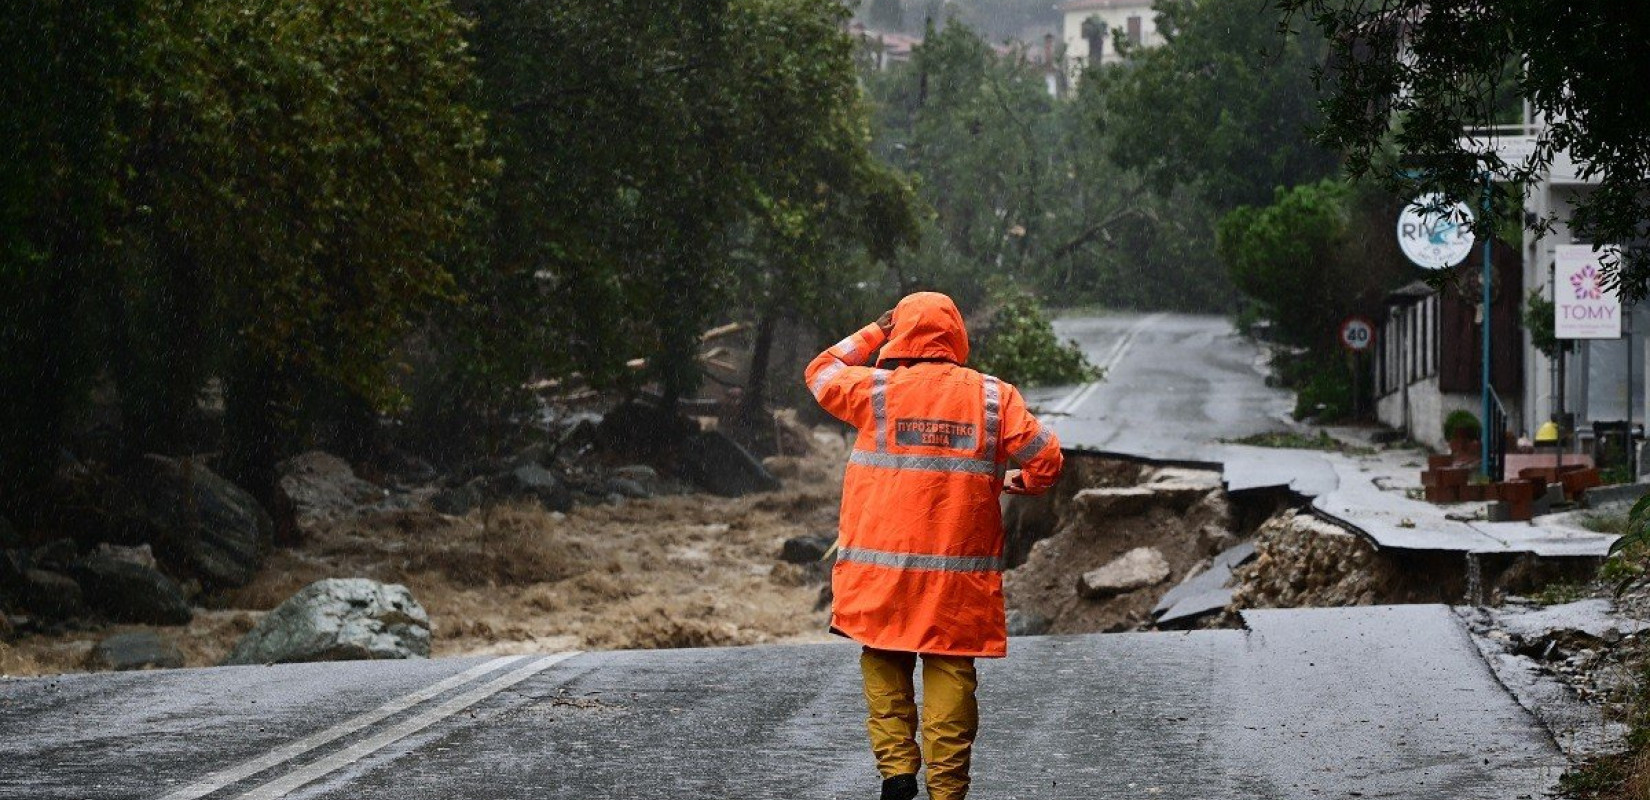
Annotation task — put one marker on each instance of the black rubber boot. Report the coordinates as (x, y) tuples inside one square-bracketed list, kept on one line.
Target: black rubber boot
[(899, 787)]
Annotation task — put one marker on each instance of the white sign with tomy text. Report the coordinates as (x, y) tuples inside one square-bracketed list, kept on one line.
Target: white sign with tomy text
[(1582, 307)]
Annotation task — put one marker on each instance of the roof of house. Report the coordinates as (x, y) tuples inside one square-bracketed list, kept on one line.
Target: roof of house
[(1096, 5), (1409, 293)]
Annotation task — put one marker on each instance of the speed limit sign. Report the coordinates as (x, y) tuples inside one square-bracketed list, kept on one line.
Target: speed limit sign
[(1357, 334)]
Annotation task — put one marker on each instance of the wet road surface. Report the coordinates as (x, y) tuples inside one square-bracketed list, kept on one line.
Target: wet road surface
[(1174, 385), (1384, 702)]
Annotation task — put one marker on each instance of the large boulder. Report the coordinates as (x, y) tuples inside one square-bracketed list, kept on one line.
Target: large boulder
[(720, 466), (125, 651), (642, 430), (1136, 569), (324, 487), (50, 595), (200, 524), (339, 619), (126, 591)]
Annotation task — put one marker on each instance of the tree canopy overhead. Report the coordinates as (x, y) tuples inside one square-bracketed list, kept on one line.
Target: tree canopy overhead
[(1414, 74), (1223, 106)]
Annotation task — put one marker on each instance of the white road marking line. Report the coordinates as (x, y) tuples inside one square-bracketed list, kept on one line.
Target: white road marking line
[(287, 752), (1081, 394), (286, 784)]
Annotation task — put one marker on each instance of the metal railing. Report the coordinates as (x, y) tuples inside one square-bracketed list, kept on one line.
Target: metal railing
[(1495, 433)]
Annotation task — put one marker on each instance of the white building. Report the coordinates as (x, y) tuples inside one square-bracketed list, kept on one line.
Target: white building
[(1603, 379), (1096, 43)]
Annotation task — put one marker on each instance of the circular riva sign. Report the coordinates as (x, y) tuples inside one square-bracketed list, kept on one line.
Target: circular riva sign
[(1435, 239), (1357, 334)]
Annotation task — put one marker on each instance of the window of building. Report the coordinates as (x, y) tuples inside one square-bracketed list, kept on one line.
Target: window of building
[(1134, 30)]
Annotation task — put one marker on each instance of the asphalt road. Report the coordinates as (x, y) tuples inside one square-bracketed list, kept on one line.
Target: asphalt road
[(1175, 386), (1371, 702)]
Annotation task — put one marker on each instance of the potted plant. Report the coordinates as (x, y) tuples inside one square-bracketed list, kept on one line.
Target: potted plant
[(1461, 428)]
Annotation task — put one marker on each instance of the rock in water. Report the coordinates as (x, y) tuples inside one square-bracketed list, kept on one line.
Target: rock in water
[(125, 651), (127, 592), (722, 467), (532, 480), (1136, 569), (339, 619), (805, 549), (201, 524), (459, 500)]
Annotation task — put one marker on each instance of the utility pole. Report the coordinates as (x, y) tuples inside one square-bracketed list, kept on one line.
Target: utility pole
[(1484, 435)]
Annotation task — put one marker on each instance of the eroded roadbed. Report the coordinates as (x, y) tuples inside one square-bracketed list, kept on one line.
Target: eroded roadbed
[(1373, 702)]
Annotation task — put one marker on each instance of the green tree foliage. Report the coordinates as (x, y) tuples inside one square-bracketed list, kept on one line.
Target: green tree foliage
[(56, 193), (261, 191), (1410, 75), (1225, 105), (1020, 346), (1021, 187), (1318, 253), (665, 168)]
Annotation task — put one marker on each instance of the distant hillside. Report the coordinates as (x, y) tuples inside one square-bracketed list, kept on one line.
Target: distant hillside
[(996, 20)]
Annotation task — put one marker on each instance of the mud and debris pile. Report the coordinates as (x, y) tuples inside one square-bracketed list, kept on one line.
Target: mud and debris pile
[(1117, 545), (560, 545), (1301, 560)]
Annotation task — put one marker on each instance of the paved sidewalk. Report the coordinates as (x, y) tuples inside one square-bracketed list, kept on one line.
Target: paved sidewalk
[(1372, 493)]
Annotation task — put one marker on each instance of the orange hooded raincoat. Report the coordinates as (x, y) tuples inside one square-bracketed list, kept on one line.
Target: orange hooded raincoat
[(920, 553)]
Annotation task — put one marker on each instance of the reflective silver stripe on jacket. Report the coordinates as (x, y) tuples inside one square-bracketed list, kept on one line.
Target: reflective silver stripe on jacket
[(825, 375), (973, 466), (883, 558), (993, 403), (879, 406), (1032, 447), (849, 346)]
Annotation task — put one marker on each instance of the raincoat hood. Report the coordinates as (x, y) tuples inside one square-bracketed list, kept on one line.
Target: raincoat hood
[(927, 325)]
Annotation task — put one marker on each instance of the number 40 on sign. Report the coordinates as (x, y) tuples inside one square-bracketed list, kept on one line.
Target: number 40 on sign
[(1357, 334)]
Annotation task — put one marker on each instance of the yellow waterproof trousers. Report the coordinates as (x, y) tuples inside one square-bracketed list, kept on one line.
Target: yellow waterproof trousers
[(950, 717)]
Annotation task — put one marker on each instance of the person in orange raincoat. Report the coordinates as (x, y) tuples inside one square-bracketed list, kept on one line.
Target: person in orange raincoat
[(920, 551)]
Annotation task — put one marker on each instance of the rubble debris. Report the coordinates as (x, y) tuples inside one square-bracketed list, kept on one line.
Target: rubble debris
[(1205, 592), (1301, 560), (1136, 569), (1115, 501)]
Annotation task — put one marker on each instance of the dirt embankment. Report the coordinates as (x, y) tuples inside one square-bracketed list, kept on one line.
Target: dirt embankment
[(1103, 511), (685, 570)]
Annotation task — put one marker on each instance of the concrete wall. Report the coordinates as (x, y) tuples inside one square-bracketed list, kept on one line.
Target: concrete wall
[(1427, 409)]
